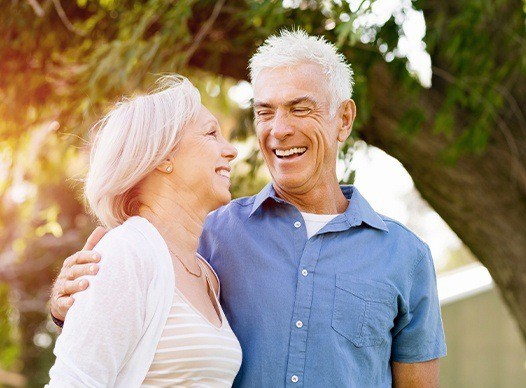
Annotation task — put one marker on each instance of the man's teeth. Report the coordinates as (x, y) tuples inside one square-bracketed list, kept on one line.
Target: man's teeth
[(291, 151), (224, 173)]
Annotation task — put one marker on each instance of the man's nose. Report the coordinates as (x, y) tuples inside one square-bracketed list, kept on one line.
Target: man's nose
[(281, 126)]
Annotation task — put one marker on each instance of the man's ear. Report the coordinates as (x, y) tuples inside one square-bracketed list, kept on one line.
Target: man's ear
[(347, 113)]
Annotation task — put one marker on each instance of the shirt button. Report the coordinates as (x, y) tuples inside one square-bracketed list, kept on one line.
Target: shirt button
[(294, 379), (304, 272), (297, 224), (299, 324)]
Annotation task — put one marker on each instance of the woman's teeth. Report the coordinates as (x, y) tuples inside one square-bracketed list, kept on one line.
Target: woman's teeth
[(224, 173)]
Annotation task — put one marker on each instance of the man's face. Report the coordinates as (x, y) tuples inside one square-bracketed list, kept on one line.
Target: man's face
[(297, 134)]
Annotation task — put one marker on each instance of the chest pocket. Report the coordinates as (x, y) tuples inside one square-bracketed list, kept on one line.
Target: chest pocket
[(363, 310)]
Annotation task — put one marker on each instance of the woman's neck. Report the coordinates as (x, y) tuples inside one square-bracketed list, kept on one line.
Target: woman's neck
[(178, 217)]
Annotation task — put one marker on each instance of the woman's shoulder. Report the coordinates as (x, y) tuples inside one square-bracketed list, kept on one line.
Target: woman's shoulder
[(130, 243), (135, 232)]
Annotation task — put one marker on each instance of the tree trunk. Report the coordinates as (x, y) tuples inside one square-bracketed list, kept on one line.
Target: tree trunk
[(482, 198)]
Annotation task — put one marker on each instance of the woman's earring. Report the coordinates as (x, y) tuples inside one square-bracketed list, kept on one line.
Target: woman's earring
[(169, 169)]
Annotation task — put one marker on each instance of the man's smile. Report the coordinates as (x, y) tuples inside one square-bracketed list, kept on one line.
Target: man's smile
[(286, 153)]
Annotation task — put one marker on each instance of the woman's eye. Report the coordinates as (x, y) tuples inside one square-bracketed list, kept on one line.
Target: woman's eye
[(212, 133)]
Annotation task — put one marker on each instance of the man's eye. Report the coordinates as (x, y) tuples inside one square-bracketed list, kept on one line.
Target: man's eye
[(263, 113), (301, 111), (212, 133)]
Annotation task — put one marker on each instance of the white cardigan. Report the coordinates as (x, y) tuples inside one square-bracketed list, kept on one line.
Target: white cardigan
[(112, 330)]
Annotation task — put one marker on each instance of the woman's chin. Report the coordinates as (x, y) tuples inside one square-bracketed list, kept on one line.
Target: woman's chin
[(227, 198), (222, 200)]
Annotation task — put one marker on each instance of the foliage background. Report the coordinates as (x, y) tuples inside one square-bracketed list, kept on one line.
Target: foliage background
[(63, 64)]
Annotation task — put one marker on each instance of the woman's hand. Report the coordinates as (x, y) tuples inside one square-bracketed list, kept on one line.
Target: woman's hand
[(79, 264)]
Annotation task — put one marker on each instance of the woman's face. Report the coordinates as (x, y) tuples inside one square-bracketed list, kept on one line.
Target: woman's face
[(201, 161)]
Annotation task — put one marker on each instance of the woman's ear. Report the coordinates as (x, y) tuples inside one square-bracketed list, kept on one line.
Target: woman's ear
[(166, 166)]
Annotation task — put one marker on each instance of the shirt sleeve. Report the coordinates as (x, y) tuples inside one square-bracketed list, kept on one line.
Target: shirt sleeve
[(418, 334), (105, 323)]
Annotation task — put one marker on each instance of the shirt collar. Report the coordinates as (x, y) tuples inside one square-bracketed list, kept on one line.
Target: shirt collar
[(359, 210), (262, 196)]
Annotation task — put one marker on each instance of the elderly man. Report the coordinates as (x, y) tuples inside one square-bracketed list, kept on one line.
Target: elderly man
[(319, 288)]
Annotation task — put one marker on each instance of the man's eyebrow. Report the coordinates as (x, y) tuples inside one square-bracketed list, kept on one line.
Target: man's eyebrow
[(299, 100), (307, 99), (261, 104)]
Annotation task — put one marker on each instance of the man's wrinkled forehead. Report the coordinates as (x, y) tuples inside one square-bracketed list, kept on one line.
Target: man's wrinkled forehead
[(286, 85), (313, 71)]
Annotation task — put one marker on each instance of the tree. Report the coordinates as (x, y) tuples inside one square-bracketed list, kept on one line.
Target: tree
[(462, 139)]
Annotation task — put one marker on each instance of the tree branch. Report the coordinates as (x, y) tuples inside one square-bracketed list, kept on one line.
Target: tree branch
[(62, 14), (517, 170), (201, 34), (36, 7)]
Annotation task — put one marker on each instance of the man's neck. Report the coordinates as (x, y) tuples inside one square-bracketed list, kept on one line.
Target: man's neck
[(318, 200)]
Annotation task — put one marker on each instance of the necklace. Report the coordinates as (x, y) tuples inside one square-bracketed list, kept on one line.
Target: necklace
[(186, 268)]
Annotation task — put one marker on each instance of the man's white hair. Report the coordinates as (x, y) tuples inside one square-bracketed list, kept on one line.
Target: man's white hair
[(131, 141), (290, 48)]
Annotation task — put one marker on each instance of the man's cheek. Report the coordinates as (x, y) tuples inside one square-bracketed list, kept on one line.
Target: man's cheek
[(262, 127)]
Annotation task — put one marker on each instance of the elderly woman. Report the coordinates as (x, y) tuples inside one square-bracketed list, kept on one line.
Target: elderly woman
[(151, 317)]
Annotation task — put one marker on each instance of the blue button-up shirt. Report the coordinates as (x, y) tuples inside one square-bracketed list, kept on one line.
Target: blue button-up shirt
[(332, 310)]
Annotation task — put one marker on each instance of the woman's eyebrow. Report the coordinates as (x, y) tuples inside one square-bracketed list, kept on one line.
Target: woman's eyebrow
[(211, 123)]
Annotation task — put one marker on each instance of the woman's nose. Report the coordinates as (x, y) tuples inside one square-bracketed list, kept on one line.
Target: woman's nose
[(229, 151)]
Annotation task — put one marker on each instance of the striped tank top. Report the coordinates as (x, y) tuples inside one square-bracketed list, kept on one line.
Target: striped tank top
[(192, 352)]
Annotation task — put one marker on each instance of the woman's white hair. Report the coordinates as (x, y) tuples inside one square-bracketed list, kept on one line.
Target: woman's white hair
[(289, 48), (131, 141)]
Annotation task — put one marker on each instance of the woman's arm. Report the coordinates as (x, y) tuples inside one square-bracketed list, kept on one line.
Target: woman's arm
[(105, 322)]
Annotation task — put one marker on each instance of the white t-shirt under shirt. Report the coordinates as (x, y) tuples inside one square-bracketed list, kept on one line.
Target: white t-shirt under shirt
[(315, 222)]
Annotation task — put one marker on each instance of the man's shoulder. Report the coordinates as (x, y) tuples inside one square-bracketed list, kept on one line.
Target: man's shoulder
[(237, 207), (223, 223), (400, 232), (242, 202)]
